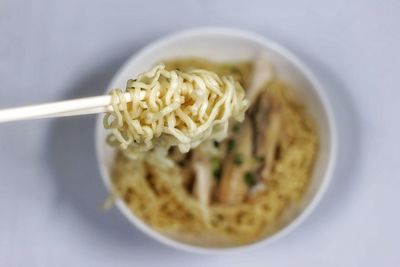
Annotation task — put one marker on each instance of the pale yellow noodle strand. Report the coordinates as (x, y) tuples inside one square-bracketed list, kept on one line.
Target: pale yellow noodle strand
[(178, 109)]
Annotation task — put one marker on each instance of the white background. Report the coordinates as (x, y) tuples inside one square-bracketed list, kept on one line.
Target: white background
[(50, 191)]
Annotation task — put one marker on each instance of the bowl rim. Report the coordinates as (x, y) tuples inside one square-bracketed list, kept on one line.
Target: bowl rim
[(316, 87)]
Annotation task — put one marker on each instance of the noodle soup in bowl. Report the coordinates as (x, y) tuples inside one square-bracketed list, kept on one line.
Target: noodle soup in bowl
[(237, 220)]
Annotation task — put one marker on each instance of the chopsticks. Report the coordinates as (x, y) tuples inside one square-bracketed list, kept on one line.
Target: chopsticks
[(74, 107)]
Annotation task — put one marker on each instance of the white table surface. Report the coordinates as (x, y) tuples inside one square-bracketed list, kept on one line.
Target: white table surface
[(50, 191)]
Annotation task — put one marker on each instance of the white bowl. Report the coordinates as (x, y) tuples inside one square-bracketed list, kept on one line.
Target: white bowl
[(223, 44)]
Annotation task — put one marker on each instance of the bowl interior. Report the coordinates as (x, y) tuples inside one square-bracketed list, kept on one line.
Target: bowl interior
[(228, 45)]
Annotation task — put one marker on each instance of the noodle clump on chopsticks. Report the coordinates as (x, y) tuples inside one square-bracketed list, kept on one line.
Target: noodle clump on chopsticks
[(173, 108)]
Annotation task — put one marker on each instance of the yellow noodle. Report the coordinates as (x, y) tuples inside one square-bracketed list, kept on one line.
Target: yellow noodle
[(176, 104), (156, 194)]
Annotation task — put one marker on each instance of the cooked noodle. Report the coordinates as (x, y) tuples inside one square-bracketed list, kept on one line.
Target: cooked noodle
[(231, 192), (173, 108)]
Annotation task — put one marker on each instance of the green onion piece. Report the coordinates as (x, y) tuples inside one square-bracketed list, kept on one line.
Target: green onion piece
[(214, 163), (235, 69), (236, 128), (216, 144), (259, 159), (231, 145), (228, 66), (238, 159), (249, 178), (216, 168), (217, 175)]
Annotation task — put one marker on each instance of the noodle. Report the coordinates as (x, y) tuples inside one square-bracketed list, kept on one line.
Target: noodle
[(168, 197), (173, 108)]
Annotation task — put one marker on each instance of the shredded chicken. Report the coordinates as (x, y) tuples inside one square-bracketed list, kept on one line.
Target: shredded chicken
[(233, 188), (268, 123), (261, 75), (204, 182)]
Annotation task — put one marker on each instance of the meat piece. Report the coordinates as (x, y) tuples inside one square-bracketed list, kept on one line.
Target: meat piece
[(203, 183), (268, 121), (233, 188), (261, 75)]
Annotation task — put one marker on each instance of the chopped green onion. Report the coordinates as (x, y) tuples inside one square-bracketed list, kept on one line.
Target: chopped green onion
[(228, 66), (214, 163), (235, 69), (217, 175), (238, 159), (259, 159), (249, 178), (216, 144), (216, 168), (236, 128), (231, 145)]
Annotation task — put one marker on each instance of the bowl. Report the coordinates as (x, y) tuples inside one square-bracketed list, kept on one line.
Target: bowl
[(225, 44)]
